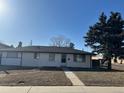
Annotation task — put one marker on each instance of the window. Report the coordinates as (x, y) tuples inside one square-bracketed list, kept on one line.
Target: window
[(63, 58), (0, 54), (51, 57), (79, 58), (36, 55), (12, 54)]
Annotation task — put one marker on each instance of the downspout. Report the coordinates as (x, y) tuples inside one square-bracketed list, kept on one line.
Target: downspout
[(90, 61), (21, 59)]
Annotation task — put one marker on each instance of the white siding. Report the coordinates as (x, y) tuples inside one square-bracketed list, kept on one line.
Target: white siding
[(71, 63), (43, 60), (28, 60), (10, 61)]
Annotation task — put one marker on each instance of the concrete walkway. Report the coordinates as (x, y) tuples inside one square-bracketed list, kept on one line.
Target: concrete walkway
[(73, 78), (61, 89)]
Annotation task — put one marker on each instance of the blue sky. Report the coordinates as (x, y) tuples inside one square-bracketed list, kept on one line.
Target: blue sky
[(39, 20)]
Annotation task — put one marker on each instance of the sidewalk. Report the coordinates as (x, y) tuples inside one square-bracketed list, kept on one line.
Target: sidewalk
[(73, 78), (61, 89)]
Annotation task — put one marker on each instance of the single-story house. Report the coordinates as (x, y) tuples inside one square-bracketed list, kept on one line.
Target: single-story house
[(2, 45), (40, 56)]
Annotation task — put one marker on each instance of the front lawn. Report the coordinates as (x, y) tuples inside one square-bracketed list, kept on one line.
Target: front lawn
[(101, 78), (34, 77)]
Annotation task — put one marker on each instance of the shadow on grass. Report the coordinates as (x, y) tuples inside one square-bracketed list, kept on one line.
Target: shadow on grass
[(95, 70), (8, 68)]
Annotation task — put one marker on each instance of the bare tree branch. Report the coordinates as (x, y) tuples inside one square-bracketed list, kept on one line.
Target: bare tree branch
[(60, 41)]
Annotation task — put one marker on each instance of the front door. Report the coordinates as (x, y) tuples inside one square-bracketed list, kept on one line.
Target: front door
[(63, 60)]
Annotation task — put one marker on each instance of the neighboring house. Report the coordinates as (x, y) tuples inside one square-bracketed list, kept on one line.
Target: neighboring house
[(121, 61), (39, 56), (96, 61), (4, 46), (97, 57)]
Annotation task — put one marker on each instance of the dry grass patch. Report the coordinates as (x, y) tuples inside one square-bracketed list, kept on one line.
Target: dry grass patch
[(35, 77), (101, 78)]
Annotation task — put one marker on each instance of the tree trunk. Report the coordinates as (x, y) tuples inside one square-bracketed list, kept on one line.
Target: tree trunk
[(115, 60), (109, 64), (121, 61)]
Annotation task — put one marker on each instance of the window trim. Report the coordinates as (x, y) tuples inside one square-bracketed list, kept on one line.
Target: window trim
[(63, 57), (82, 56), (52, 56), (36, 55)]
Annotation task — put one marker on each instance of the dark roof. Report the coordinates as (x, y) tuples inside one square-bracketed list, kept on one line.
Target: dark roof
[(47, 49)]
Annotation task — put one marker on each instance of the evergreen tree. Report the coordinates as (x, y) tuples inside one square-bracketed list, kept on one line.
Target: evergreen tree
[(107, 36)]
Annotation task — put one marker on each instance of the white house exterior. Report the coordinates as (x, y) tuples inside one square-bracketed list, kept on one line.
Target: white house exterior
[(41, 56), (2, 45)]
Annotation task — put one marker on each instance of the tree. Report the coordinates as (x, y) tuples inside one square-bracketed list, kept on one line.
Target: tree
[(20, 44), (121, 58), (60, 41), (72, 45), (107, 36), (12, 46)]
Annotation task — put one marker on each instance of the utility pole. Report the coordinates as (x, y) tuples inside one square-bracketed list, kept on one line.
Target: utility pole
[(31, 43)]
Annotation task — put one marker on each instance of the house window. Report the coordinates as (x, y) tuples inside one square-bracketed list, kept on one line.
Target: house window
[(51, 57), (79, 58), (12, 54), (63, 58), (36, 55), (0, 54)]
